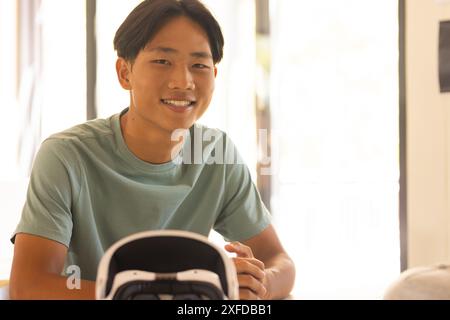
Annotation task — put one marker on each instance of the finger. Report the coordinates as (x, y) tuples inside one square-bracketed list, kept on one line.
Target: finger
[(253, 267), (257, 263), (240, 249), (248, 282)]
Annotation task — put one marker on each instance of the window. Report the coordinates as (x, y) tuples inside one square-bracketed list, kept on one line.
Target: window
[(9, 128), (335, 116), (42, 91)]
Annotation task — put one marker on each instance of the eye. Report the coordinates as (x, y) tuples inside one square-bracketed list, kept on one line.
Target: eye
[(161, 61), (200, 66)]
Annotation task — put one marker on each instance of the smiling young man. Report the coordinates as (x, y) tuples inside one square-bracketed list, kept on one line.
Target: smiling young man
[(98, 182)]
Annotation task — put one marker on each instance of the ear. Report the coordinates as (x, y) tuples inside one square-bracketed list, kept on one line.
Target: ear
[(123, 73), (215, 71)]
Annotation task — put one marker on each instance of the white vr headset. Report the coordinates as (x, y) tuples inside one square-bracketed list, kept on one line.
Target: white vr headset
[(166, 265)]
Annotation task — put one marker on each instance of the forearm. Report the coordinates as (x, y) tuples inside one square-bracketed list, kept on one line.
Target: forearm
[(51, 287), (280, 277)]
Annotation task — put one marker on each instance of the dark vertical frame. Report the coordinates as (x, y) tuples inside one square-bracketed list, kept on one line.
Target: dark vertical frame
[(402, 135), (91, 60)]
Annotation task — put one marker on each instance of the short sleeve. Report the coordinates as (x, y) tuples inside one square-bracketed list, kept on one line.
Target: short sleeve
[(243, 214), (47, 210)]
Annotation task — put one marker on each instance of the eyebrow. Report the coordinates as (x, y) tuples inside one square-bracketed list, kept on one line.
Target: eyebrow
[(198, 54)]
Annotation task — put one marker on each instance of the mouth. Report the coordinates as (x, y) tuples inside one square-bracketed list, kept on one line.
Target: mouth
[(178, 105)]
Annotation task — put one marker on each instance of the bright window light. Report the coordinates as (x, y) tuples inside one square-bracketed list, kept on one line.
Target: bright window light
[(335, 114), (49, 96)]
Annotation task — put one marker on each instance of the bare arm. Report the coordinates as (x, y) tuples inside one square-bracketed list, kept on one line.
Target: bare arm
[(36, 271), (265, 253)]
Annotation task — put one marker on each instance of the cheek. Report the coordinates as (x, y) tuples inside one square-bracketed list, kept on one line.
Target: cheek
[(149, 85), (208, 87), (213, 85)]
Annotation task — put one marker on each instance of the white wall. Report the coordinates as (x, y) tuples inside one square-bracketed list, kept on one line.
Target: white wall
[(428, 137)]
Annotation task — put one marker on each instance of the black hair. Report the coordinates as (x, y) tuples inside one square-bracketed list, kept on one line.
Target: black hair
[(150, 16)]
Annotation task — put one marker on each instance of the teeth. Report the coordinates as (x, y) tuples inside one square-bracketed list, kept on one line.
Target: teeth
[(178, 103)]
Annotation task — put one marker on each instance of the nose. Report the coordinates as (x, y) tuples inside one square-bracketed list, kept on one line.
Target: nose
[(181, 79)]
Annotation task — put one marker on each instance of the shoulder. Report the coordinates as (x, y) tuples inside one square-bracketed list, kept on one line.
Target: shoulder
[(82, 134), (90, 129)]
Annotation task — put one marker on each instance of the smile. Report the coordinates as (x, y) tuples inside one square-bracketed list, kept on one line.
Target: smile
[(178, 105)]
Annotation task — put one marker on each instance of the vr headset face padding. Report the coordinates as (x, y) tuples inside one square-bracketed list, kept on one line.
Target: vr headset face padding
[(166, 289)]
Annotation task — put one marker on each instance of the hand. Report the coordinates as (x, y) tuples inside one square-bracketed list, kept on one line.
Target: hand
[(250, 272)]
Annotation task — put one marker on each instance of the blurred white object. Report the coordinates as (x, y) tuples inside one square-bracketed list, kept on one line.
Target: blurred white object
[(422, 283), (4, 291)]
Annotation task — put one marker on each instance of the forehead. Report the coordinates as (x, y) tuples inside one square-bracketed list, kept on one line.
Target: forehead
[(180, 33)]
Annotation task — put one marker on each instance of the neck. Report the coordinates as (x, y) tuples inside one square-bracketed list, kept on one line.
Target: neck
[(147, 142)]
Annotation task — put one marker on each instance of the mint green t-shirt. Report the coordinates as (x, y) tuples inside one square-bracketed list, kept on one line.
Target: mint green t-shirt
[(87, 190)]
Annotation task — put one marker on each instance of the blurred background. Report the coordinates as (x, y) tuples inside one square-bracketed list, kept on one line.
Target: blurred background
[(322, 77)]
